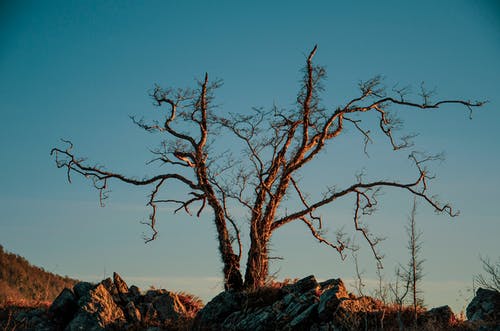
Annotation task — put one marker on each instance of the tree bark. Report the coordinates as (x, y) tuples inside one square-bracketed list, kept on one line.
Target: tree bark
[(232, 274), (257, 267)]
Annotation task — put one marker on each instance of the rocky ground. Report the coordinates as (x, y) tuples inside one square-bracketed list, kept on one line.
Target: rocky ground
[(303, 305)]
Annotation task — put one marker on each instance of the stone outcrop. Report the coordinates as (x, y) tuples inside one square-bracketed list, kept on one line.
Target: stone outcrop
[(291, 307), (64, 307), (97, 311), (309, 305), (438, 317), (331, 297), (221, 306), (304, 305), (110, 305), (485, 307)]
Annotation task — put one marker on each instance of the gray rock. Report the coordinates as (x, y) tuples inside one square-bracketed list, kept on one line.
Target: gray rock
[(303, 285), (64, 307), (331, 298), (302, 321), (485, 306), (84, 322), (295, 311), (97, 311), (296, 305), (323, 327), (261, 319), (82, 288), (217, 310)]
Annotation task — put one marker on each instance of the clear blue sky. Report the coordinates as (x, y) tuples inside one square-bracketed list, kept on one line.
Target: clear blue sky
[(77, 69)]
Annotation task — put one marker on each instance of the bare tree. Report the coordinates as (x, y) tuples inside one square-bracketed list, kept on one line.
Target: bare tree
[(409, 276), (278, 143), (358, 284), (415, 264), (400, 289), (491, 280)]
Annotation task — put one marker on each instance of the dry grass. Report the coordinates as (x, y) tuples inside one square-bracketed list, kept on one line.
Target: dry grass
[(192, 303), (368, 315)]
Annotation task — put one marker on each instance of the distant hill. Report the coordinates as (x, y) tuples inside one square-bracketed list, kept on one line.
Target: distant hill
[(19, 280)]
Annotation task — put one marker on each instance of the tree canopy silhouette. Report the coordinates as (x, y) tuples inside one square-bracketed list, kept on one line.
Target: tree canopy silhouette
[(278, 143)]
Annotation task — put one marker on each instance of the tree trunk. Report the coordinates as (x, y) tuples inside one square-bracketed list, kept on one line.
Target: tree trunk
[(257, 264), (232, 274)]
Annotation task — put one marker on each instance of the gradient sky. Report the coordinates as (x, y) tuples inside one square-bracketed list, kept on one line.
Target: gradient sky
[(78, 69)]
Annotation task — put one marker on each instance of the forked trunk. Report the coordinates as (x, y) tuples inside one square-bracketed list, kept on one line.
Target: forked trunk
[(232, 274)]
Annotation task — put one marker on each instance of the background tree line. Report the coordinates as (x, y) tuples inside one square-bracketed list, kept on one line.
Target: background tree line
[(20, 280)]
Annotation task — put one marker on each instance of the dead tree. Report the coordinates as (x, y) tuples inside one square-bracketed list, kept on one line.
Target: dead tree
[(491, 280), (278, 143), (415, 264)]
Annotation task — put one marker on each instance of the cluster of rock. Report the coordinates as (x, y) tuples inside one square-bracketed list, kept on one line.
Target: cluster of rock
[(304, 305), (111, 305), (309, 305)]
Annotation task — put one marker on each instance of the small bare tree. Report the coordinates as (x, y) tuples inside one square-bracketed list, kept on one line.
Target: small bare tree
[(415, 264), (278, 144), (491, 280), (358, 283), (400, 289)]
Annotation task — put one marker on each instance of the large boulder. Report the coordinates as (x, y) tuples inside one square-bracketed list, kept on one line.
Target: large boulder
[(291, 307), (64, 307), (441, 317), (485, 306), (97, 311), (212, 316), (302, 285), (331, 298)]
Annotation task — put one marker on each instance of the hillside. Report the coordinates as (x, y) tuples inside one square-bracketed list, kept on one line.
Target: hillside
[(19, 280)]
